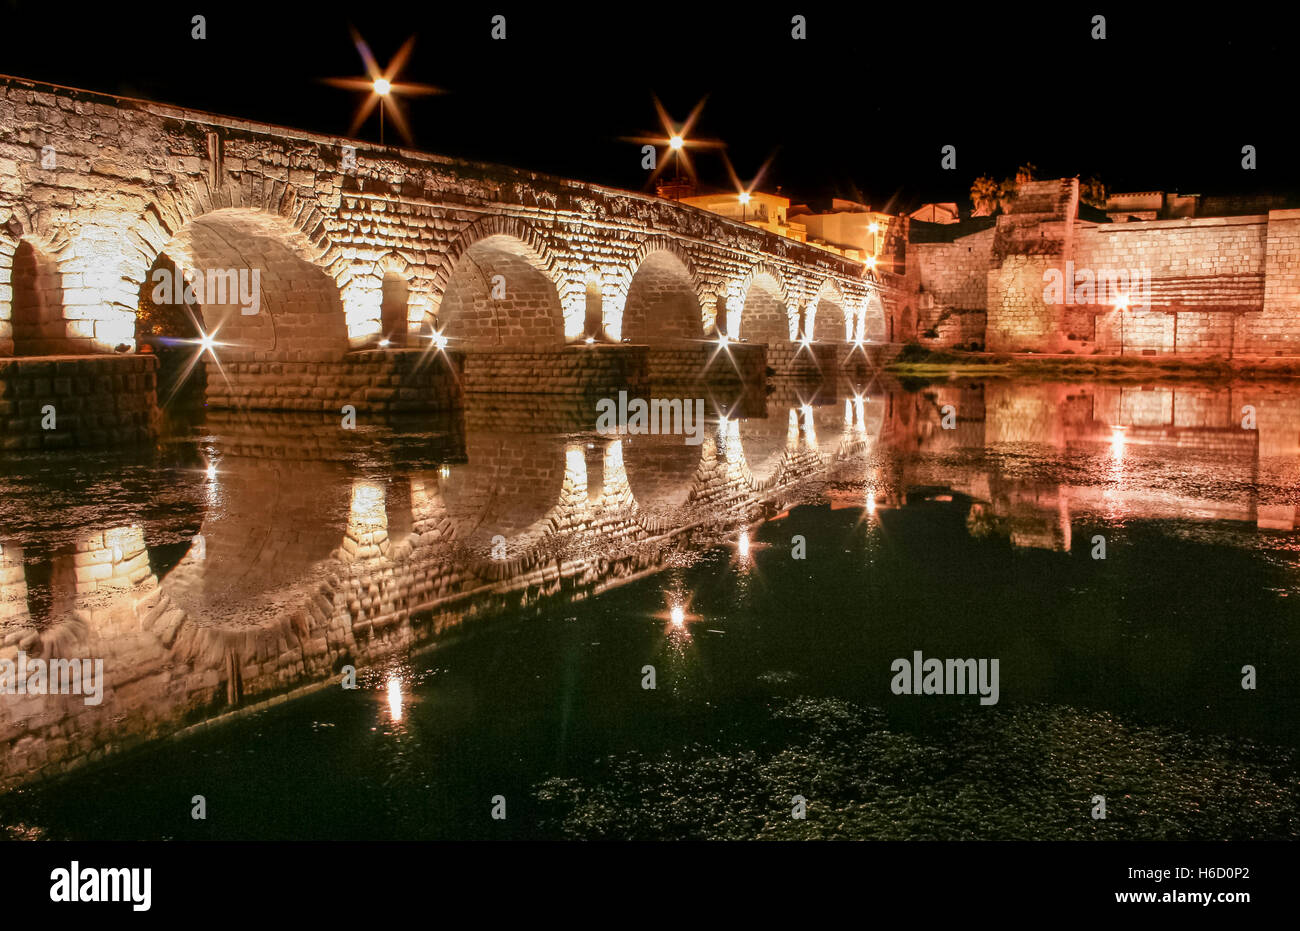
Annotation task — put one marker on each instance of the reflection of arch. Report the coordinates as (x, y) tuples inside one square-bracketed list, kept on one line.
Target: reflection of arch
[(662, 471), (234, 254), (279, 522), (497, 288), (663, 301), (510, 488), (764, 315), (765, 441), (830, 318), (36, 312)]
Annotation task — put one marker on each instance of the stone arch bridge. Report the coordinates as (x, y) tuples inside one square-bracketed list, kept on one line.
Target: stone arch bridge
[(361, 250)]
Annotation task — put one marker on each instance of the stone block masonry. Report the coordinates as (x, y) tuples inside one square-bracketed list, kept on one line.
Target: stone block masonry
[(576, 371), (374, 382), (1227, 286), (354, 245), (89, 400)]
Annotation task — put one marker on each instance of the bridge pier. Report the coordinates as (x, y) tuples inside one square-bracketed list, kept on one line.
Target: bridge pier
[(63, 402), (581, 370)]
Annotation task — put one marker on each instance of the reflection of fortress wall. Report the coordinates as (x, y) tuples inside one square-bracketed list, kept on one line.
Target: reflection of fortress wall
[(1109, 429), (1024, 414)]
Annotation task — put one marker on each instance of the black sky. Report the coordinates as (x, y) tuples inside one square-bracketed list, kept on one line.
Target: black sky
[(862, 106)]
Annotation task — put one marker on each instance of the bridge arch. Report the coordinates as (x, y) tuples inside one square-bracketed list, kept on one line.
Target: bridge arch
[(497, 287), (662, 302), (239, 254), (764, 314), (830, 320)]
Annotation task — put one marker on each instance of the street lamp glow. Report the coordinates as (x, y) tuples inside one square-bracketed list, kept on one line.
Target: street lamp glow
[(744, 197), (871, 261), (383, 87), (874, 228), (676, 142)]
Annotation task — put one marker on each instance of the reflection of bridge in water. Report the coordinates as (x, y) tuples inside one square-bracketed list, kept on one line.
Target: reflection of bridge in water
[(318, 548), (314, 548)]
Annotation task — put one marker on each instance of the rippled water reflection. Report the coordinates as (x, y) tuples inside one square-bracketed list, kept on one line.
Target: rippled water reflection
[(501, 580)]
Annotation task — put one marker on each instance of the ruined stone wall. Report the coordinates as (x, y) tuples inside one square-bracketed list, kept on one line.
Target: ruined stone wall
[(949, 285), (1206, 286)]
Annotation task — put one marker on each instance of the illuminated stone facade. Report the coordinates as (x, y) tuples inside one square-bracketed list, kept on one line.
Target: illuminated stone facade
[(94, 189), (1225, 286)]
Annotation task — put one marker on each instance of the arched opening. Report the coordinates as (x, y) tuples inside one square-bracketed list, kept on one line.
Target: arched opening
[(593, 316), (498, 296), (764, 317), (830, 323), (394, 308), (261, 299), (38, 325), (168, 324), (662, 305)]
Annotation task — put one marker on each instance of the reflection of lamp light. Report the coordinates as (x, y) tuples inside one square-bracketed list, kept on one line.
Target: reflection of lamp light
[(742, 545), (871, 502), (395, 697), (678, 615), (1117, 439)]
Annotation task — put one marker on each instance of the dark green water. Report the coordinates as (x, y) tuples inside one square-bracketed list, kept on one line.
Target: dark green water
[(1119, 677)]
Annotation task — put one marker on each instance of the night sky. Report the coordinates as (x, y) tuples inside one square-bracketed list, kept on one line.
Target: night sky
[(859, 109)]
